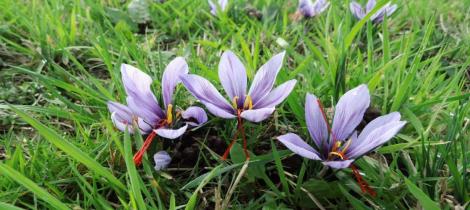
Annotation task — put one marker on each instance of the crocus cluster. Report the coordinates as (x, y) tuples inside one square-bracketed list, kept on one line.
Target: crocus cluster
[(359, 12), (143, 112), (336, 146)]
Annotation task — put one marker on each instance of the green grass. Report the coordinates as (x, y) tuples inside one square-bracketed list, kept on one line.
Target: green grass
[(60, 61)]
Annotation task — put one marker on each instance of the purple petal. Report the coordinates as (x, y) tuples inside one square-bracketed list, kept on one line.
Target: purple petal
[(137, 85), (142, 111), (122, 110), (370, 5), (356, 10), (265, 77), (316, 124), (338, 164), (204, 91), (306, 8), (276, 96), (171, 78), (195, 115), (298, 146), (374, 138), (171, 133), (232, 75), (120, 122), (257, 115), (320, 6), (162, 160), (380, 121), (350, 111), (222, 113), (122, 118)]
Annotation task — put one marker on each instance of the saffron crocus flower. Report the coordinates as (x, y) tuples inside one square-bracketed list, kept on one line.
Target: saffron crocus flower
[(359, 12), (309, 9), (340, 146), (143, 111), (255, 105), (218, 6)]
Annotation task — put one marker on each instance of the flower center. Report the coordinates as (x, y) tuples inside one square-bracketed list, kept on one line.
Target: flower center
[(335, 151), (247, 104)]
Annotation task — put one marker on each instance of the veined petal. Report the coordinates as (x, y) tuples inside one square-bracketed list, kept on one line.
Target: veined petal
[(171, 78), (373, 139), (120, 122), (162, 160), (298, 146), (121, 109), (123, 118), (265, 77), (219, 112), (316, 124), (205, 91), (194, 115), (232, 75), (356, 10), (350, 111), (257, 115), (137, 85), (142, 111), (380, 121), (276, 96), (339, 164), (171, 133)]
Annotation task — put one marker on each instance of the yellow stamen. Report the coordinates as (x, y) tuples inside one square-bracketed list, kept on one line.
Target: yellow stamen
[(248, 103), (234, 102), (169, 114), (339, 154)]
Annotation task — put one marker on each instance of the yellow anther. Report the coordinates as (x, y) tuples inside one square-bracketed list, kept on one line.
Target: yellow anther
[(248, 103), (169, 114), (339, 154), (234, 102)]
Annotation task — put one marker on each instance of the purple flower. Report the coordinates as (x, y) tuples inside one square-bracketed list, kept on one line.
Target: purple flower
[(359, 12), (162, 160), (219, 6), (340, 146), (143, 110), (309, 9), (255, 105)]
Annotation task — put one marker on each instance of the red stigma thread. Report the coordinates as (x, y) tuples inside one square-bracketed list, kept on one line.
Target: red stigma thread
[(138, 156), (240, 128)]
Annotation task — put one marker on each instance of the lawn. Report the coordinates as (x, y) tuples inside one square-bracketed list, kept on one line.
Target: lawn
[(60, 65)]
